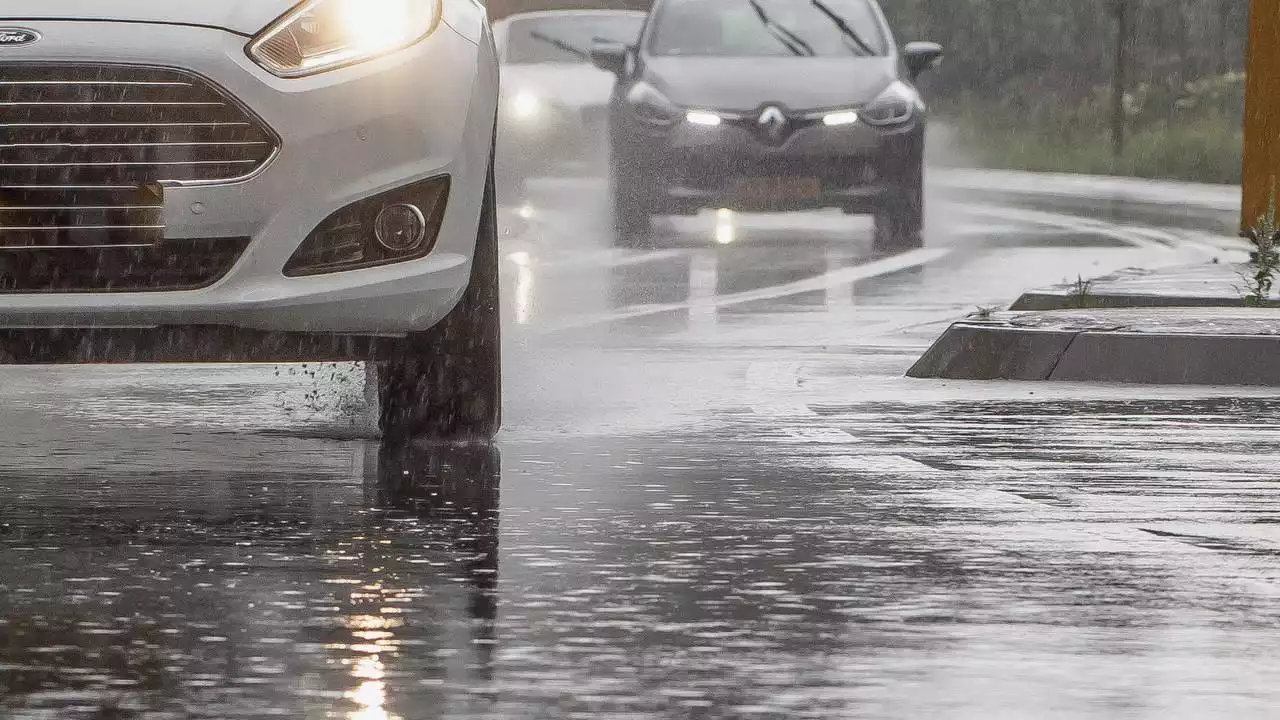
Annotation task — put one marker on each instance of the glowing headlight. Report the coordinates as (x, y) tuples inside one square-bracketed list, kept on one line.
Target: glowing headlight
[(706, 119), (525, 105), (321, 35), (843, 117)]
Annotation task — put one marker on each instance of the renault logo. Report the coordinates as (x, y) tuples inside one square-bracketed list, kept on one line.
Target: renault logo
[(12, 37), (772, 122)]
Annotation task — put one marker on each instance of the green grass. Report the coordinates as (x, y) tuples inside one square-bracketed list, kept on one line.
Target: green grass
[(1202, 151), (1193, 133)]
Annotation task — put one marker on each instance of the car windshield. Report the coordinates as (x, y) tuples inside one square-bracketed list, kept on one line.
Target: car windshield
[(766, 28), (567, 39)]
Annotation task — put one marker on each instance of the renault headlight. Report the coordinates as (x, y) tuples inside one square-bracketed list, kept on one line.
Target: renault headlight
[(651, 106), (321, 35), (896, 105)]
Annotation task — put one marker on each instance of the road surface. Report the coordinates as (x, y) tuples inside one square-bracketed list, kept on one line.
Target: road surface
[(716, 497)]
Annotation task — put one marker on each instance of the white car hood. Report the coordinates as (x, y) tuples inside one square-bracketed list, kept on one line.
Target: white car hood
[(246, 17), (570, 85)]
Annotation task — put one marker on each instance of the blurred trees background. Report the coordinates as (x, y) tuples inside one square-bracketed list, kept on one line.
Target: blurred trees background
[(1029, 83)]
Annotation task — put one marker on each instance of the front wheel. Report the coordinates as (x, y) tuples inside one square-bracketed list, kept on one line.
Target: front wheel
[(632, 207), (446, 383), (900, 222), (900, 219)]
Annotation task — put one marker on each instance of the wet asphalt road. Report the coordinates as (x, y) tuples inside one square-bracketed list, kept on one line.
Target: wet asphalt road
[(716, 497)]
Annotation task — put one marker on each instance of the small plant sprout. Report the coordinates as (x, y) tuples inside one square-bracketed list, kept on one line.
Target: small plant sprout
[(1264, 259), (983, 312), (1081, 294)]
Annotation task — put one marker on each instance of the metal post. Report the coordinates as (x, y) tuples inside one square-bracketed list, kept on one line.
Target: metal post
[(1262, 110)]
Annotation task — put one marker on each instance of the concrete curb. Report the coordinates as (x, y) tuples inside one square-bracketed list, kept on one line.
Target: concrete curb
[(1205, 285), (978, 351), (983, 352), (1034, 301)]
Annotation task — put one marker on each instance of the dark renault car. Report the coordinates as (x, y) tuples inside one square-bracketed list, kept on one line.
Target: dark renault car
[(768, 105)]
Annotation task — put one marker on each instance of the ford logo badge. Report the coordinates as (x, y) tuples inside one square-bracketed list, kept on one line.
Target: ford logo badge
[(12, 37)]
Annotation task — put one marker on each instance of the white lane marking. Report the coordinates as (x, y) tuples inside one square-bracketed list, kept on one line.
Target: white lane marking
[(893, 464), (839, 297), (704, 274), (1202, 245), (876, 268), (819, 435), (1092, 187), (610, 258), (1071, 222)]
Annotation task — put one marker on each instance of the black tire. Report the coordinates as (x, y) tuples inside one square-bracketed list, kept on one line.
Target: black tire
[(446, 383), (632, 206), (900, 223)]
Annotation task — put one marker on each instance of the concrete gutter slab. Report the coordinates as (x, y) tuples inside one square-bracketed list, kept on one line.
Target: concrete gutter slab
[(1183, 346)]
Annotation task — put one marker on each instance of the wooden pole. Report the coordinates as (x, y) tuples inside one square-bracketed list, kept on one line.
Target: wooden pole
[(1261, 110)]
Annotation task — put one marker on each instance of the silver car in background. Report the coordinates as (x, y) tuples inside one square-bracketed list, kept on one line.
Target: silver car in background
[(555, 103)]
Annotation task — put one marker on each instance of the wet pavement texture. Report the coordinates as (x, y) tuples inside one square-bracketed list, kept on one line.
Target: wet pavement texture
[(716, 496)]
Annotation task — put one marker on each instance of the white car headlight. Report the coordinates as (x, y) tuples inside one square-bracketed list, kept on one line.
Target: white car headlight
[(704, 118), (321, 35), (896, 105), (840, 117)]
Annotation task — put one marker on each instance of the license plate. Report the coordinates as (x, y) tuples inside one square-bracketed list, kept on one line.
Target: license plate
[(777, 189)]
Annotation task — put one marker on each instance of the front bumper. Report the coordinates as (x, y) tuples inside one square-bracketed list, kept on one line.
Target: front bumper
[(344, 136), (855, 168)]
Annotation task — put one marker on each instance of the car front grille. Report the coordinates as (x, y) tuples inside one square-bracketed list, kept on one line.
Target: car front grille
[(86, 152), (174, 265)]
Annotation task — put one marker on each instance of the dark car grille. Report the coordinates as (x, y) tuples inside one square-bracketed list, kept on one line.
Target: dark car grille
[(85, 152), (175, 265)]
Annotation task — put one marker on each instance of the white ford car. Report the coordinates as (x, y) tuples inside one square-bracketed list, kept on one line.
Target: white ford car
[(256, 180)]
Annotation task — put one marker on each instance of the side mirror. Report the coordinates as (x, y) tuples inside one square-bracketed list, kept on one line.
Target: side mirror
[(610, 57), (921, 56)]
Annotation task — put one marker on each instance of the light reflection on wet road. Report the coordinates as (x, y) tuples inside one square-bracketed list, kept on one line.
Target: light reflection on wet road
[(716, 497)]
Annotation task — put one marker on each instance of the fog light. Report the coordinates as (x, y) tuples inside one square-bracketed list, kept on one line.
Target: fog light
[(400, 227), (396, 226)]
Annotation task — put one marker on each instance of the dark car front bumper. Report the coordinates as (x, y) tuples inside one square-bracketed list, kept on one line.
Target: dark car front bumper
[(687, 167)]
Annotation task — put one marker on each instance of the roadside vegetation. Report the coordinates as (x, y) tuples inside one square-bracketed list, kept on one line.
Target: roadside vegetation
[(1149, 88), (1191, 134), (1264, 260)]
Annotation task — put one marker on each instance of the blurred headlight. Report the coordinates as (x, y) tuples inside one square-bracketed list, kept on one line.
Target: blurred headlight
[(526, 106), (896, 105), (651, 106), (321, 35), (700, 117), (842, 117)]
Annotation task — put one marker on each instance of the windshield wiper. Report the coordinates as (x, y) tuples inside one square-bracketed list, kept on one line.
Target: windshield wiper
[(793, 42), (563, 45), (838, 20)]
